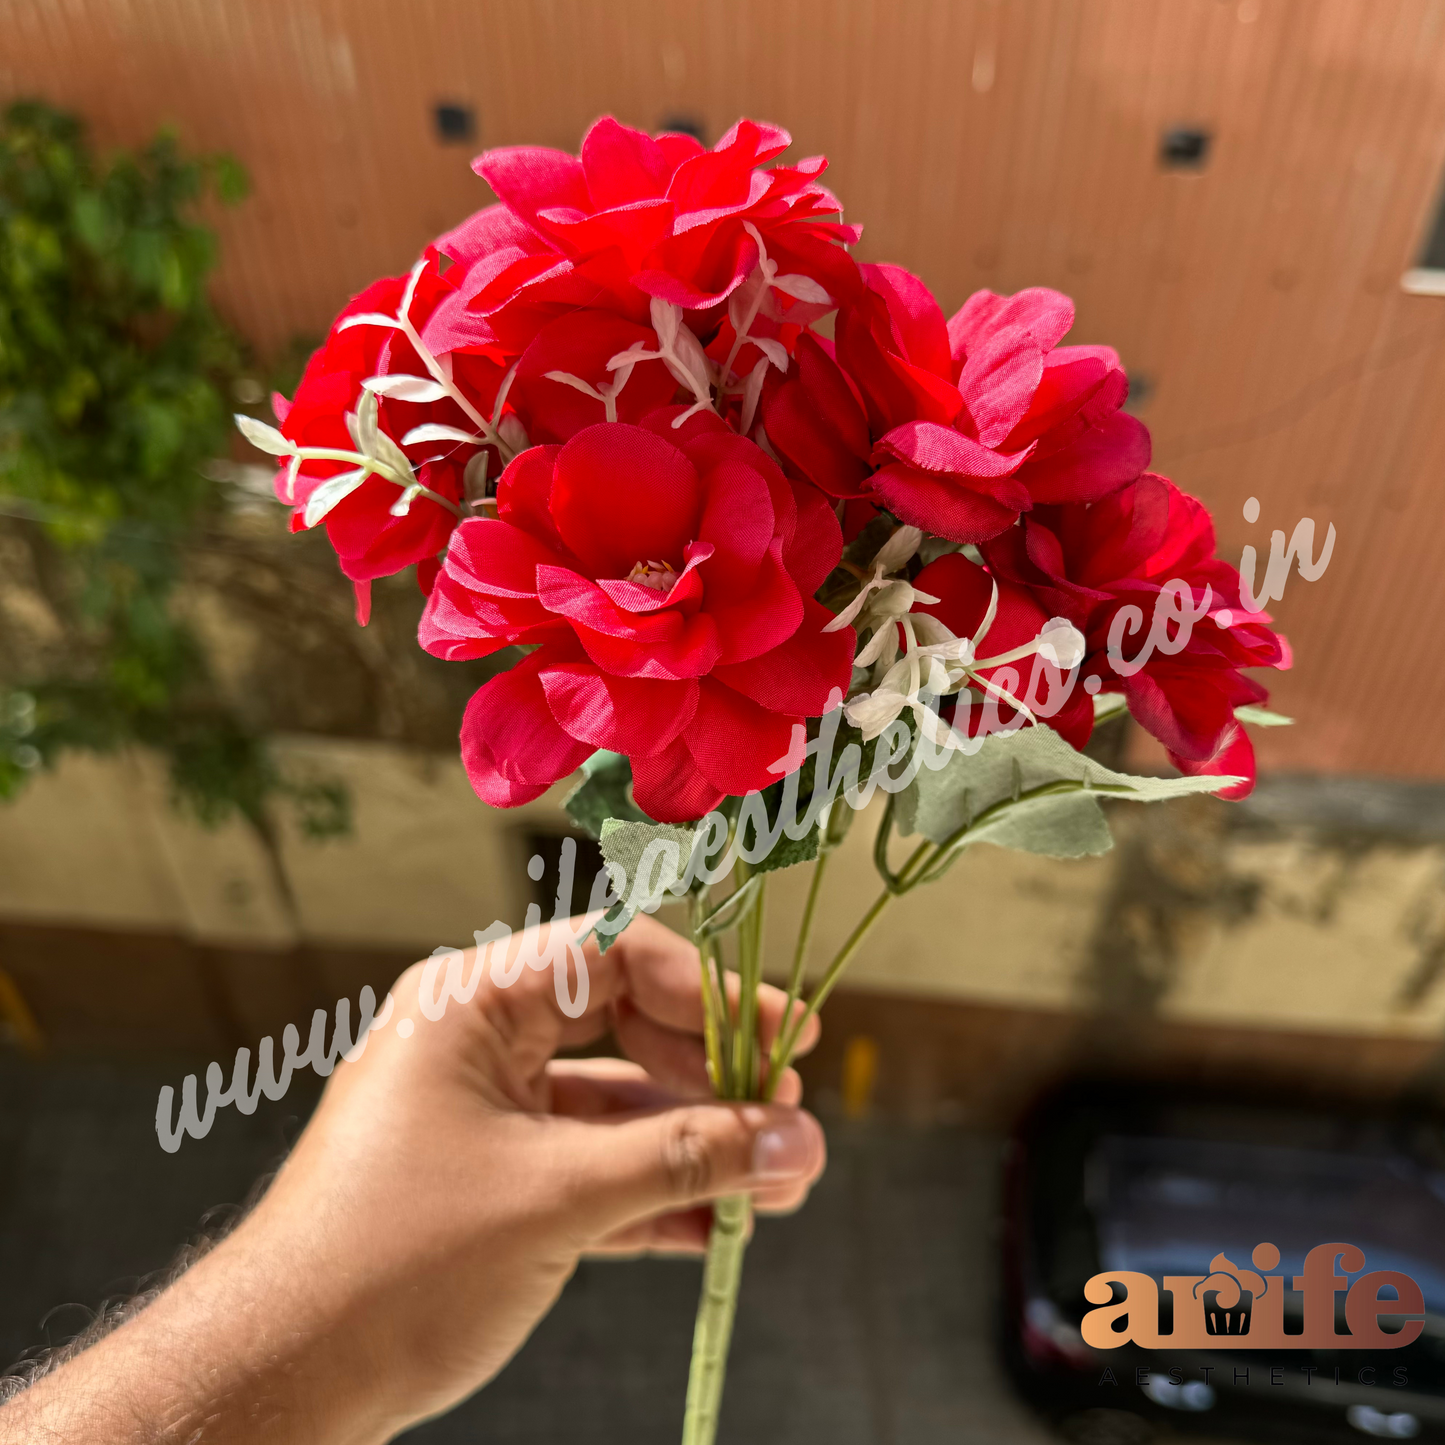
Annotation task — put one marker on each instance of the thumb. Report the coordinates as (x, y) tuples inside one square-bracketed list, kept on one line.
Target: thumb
[(634, 1167)]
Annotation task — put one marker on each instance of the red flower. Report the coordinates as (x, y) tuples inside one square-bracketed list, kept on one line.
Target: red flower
[(376, 526), (578, 345), (636, 216), (666, 578), (1089, 562), (964, 591), (957, 427)]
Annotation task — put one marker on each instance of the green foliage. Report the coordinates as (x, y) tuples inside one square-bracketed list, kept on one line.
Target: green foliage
[(624, 842), (604, 793), (1262, 717), (1031, 791), (115, 385)]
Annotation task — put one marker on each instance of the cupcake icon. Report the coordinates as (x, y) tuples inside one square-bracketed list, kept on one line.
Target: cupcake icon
[(1229, 1293)]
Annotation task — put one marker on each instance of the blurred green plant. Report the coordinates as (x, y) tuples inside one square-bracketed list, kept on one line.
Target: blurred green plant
[(116, 387)]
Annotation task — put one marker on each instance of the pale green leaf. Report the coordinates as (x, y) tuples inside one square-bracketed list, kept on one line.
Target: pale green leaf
[(406, 388), (330, 493), (1107, 705), (368, 318), (264, 438), (1012, 791), (625, 843), (1063, 825), (604, 794), (435, 431), (1262, 717)]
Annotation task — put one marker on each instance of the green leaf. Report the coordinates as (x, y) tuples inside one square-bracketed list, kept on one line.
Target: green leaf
[(1262, 717), (1108, 705), (625, 843), (788, 851), (232, 182), (1029, 790), (604, 793), (263, 437), (111, 412), (1067, 825), (606, 937)]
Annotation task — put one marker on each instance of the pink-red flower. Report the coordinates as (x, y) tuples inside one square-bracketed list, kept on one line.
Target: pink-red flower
[(375, 529), (959, 426), (636, 216), (665, 578), (1088, 562)]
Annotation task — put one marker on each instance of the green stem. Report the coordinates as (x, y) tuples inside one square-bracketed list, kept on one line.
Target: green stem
[(909, 876), (713, 1006), (799, 969), (830, 977), (750, 976), (722, 1273)]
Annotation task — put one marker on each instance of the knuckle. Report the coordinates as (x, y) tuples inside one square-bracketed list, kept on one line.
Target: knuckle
[(688, 1162)]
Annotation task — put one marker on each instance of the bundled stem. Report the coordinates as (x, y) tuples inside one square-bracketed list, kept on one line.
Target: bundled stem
[(734, 1063), (722, 1272)]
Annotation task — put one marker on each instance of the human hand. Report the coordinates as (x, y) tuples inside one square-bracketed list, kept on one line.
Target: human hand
[(434, 1207)]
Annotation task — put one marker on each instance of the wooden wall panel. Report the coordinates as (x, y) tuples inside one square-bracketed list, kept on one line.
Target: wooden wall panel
[(982, 142)]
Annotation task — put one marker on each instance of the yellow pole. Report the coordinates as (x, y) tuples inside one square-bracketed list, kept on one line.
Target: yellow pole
[(15, 1013)]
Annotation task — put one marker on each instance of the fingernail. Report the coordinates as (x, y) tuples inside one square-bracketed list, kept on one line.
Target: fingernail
[(784, 1150)]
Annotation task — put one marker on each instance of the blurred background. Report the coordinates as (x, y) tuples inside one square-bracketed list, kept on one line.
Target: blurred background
[(227, 805)]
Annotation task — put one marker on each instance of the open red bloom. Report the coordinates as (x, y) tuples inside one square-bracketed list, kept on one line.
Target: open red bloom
[(371, 537), (636, 216), (666, 578), (1090, 562), (957, 427)]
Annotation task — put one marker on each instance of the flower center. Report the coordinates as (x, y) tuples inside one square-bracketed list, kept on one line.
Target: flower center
[(659, 576)]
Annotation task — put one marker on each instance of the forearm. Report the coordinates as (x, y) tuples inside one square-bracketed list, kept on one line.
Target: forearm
[(228, 1355)]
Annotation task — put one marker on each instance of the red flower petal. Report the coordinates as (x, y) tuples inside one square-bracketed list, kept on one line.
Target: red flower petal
[(917, 320), (998, 382), (1189, 710), (622, 165), (581, 344), (529, 178), (512, 747), (658, 644), (734, 740), (498, 558), (937, 448), (1235, 758), (817, 424), (1046, 314), (939, 504), (623, 714), (524, 494), (669, 787), (1105, 458), (799, 675), (622, 495)]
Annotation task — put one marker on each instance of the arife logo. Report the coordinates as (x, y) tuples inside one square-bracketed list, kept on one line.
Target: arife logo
[(1234, 1308)]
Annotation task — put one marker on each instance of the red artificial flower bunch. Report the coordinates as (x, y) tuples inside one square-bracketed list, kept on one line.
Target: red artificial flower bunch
[(602, 421)]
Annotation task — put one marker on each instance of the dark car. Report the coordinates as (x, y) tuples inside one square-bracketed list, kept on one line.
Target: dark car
[(1110, 1177)]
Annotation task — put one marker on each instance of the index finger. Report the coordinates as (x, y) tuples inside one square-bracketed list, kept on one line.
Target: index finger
[(661, 972), (648, 963)]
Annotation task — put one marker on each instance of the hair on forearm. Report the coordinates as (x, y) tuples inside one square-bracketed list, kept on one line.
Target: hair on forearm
[(216, 1224)]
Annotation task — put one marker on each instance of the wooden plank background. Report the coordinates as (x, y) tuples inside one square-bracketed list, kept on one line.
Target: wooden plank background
[(997, 143)]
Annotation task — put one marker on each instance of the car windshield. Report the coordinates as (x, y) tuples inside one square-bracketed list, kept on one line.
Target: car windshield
[(1169, 1205)]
